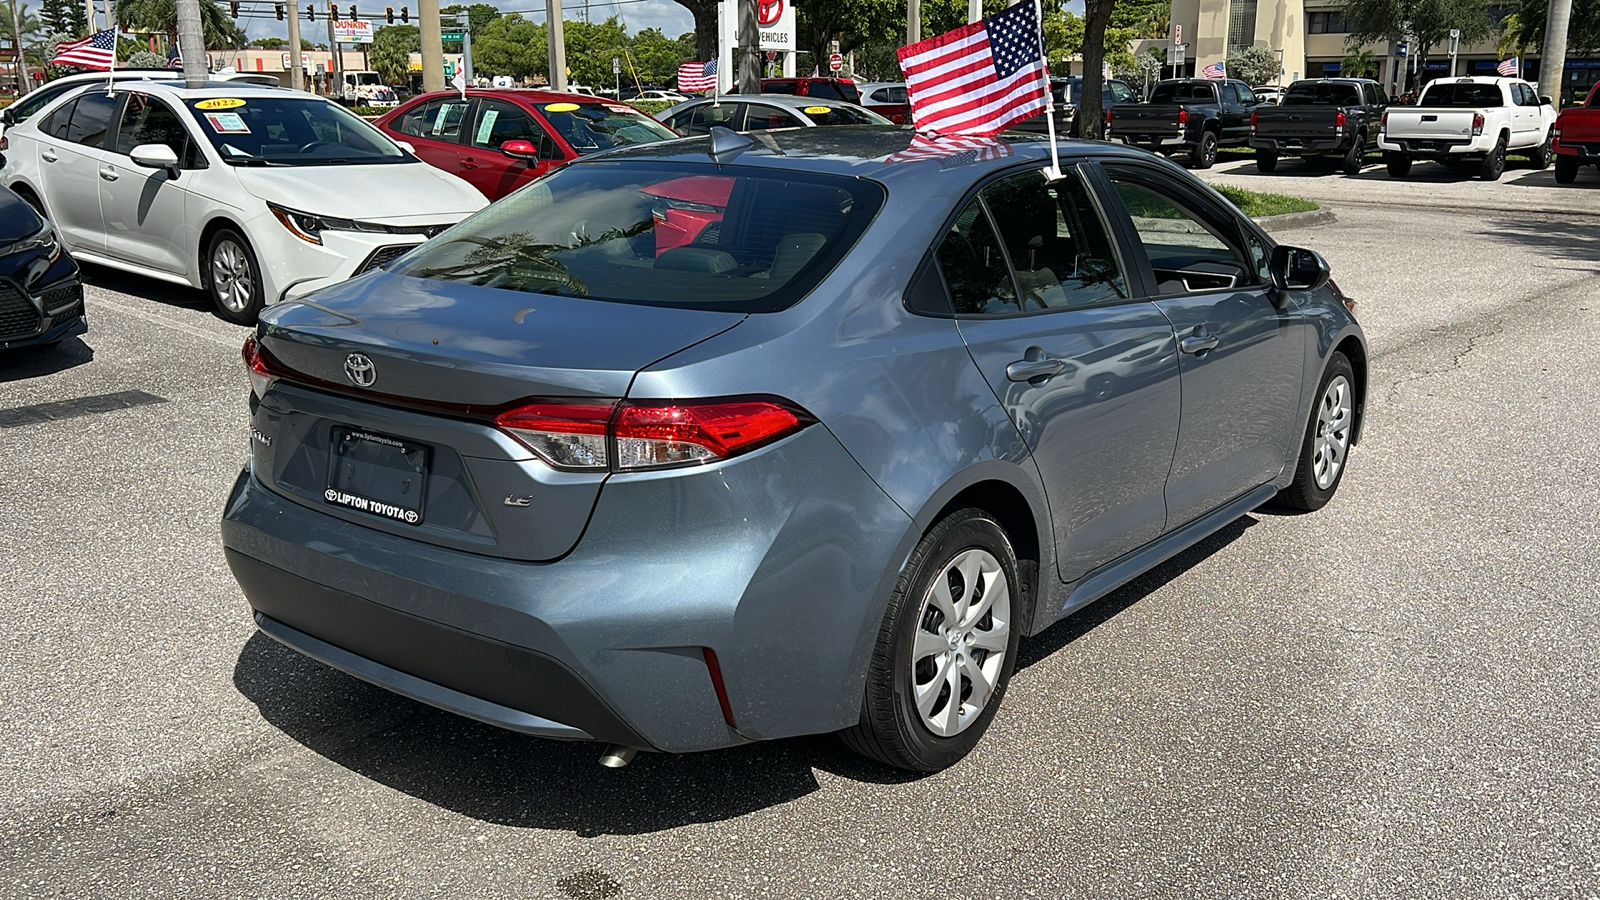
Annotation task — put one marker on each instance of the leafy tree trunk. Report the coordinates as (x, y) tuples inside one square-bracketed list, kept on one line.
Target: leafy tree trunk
[(705, 26), (190, 43), (749, 56), (1553, 52), (1090, 121)]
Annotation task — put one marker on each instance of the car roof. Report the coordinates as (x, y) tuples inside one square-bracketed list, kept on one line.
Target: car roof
[(794, 101), (527, 95), (862, 151), (182, 91)]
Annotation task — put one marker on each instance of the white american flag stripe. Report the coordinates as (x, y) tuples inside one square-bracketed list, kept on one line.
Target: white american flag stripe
[(911, 62), (1021, 82)]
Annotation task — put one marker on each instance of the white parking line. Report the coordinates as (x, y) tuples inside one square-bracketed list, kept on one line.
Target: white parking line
[(137, 313)]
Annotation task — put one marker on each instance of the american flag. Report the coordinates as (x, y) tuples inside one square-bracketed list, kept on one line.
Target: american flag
[(98, 51), (174, 58), (697, 76), (1511, 68), (979, 78), (1215, 70), (951, 151)]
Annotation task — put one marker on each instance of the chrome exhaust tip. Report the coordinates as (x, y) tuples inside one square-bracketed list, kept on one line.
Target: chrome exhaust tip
[(617, 756)]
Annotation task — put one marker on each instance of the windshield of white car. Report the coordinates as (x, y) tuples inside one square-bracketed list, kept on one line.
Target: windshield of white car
[(1462, 96), (291, 131), (593, 127)]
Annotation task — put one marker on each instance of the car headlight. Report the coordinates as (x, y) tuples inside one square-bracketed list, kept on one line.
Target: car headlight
[(309, 227), (49, 243)]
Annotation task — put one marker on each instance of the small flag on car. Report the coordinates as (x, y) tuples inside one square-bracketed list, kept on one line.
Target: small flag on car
[(697, 76), (980, 78), (174, 59), (1511, 68), (1215, 70), (951, 151), (97, 51)]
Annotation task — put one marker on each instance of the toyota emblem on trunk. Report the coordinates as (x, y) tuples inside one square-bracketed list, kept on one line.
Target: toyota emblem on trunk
[(359, 369)]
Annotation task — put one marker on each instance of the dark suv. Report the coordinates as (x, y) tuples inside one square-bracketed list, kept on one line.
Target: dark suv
[(822, 88), (41, 301), (1069, 95)]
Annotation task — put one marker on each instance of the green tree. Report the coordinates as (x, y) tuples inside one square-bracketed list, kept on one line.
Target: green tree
[(1359, 62), (390, 54), (161, 17), (63, 17), (272, 43), (1254, 65), (853, 23), (1583, 29), (511, 45), (705, 26), (1427, 23), (144, 59)]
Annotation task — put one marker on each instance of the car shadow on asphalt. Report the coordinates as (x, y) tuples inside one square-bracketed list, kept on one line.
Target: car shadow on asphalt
[(37, 362), (153, 289), (505, 778), (1572, 240)]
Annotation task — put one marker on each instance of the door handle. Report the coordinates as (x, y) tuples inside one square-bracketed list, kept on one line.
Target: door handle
[(1199, 343), (109, 174), (468, 163), (1029, 369), (47, 155)]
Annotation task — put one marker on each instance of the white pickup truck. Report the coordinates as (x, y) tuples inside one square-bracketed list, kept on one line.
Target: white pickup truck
[(1469, 120)]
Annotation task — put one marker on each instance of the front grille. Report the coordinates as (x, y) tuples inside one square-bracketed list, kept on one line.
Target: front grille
[(383, 256), (18, 316), (58, 300)]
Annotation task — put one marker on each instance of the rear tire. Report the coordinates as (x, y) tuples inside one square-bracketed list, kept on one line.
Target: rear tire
[(1566, 169), (1494, 164), (1266, 161), (1398, 164), (933, 686), (1351, 164), (1204, 153), (1326, 447)]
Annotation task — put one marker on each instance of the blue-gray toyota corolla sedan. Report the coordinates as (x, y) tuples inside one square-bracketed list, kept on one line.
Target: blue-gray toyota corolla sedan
[(736, 438)]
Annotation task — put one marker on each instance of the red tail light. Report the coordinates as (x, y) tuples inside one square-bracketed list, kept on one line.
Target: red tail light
[(1252, 120), (261, 374), (5, 143), (1183, 117), (1477, 124), (1338, 122), (1108, 118), (1383, 121), (626, 436)]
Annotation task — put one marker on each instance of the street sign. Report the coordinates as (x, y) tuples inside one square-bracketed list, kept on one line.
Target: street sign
[(1177, 34), (1177, 56), (1455, 40), (835, 62), (451, 36), (616, 65), (1402, 48)]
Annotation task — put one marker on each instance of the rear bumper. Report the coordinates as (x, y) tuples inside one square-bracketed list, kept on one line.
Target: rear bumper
[(1588, 152), (780, 562), (1154, 142), (1437, 148), (1294, 146)]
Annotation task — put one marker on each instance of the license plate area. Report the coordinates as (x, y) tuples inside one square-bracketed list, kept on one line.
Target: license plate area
[(378, 475)]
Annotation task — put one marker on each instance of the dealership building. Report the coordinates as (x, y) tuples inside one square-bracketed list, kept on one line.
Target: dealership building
[(1310, 37)]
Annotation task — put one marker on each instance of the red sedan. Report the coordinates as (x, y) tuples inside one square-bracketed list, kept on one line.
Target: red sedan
[(501, 139)]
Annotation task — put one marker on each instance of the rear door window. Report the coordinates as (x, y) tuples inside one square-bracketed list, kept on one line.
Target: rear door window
[(146, 120), (761, 117), (91, 117), (974, 266), (659, 234)]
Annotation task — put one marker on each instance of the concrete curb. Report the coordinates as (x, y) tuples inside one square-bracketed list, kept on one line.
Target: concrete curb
[(1289, 221)]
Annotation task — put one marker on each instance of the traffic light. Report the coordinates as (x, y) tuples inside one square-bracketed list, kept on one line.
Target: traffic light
[(388, 14), (405, 14), (311, 12), (353, 14), (277, 11), (333, 11), (233, 9)]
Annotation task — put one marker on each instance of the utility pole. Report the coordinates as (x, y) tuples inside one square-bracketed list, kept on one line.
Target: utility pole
[(191, 43), (975, 9), (749, 49), (88, 14), (432, 45), (1553, 52), (556, 37), (296, 74), (913, 21)]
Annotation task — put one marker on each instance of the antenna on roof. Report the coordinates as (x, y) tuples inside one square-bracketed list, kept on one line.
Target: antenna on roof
[(726, 145)]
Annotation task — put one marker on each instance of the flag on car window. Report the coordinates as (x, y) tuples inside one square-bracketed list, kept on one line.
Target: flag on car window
[(97, 51), (697, 76), (951, 151), (1215, 70), (1511, 68), (981, 77), (174, 58)]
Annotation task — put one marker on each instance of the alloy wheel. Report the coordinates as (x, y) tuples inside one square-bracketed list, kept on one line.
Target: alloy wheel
[(958, 653), (1332, 440), (231, 276)]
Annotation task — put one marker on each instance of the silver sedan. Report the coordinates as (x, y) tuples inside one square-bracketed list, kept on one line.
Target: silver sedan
[(764, 112)]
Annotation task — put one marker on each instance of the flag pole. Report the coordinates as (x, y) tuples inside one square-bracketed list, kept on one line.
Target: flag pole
[(1054, 172), (112, 71)]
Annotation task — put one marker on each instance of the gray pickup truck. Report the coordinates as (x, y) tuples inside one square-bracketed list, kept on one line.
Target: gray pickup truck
[(1188, 115), (1332, 119)]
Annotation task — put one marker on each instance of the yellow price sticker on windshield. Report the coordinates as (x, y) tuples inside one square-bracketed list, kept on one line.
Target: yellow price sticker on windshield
[(220, 103), (561, 107), (818, 110)]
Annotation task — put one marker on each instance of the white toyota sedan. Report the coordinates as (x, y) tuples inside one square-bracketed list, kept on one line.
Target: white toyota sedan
[(256, 195)]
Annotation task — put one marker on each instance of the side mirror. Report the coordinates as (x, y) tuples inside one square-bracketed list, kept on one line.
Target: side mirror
[(406, 146), (8, 116), (154, 156), (1297, 269), (523, 150), (1546, 101)]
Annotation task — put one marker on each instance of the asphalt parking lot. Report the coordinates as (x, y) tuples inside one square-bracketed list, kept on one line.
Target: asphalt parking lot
[(1395, 697)]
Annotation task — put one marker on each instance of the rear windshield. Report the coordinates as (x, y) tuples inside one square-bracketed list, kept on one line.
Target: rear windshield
[(1183, 92), (1315, 94), (1463, 96), (592, 127), (834, 90), (658, 234)]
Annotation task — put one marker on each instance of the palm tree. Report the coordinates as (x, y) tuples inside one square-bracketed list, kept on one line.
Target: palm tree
[(161, 17), (1359, 62)]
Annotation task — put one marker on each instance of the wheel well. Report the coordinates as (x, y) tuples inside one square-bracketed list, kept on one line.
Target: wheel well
[(1505, 136), (1353, 351), (29, 196), (206, 233), (1011, 510)]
